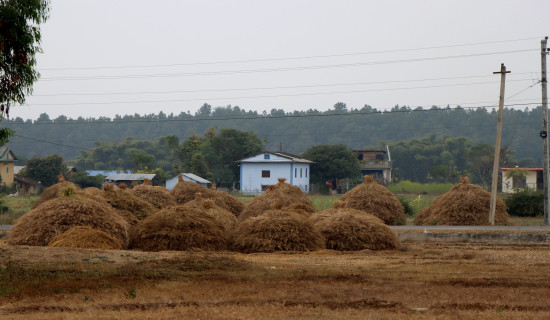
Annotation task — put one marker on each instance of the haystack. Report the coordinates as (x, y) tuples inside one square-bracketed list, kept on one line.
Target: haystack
[(230, 202), (40, 225), (348, 229), (85, 237), (277, 230), (123, 201), (465, 204), (52, 191), (158, 196), (179, 228), (375, 199), (291, 198), (208, 206)]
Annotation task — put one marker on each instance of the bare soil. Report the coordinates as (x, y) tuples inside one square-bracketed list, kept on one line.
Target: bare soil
[(419, 281)]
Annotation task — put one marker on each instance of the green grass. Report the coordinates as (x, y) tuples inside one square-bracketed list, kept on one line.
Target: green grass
[(17, 207), (420, 188)]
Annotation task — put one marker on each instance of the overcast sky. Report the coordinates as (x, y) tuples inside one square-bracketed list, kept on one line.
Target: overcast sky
[(109, 57)]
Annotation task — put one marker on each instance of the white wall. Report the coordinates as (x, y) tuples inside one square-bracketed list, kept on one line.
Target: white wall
[(252, 180), (530, 181)]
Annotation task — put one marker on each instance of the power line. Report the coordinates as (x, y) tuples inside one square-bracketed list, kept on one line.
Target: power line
[(288, 58), (317, 67), (44, 141)]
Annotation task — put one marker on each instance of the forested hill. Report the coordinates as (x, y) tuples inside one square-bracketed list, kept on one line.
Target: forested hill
[(296, 131)]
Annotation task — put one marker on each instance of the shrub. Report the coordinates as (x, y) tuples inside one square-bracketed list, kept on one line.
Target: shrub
[(526, 203), (408, 208)]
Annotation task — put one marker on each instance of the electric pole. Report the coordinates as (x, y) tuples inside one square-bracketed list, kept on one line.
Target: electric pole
[(544, 132), (494, 183)]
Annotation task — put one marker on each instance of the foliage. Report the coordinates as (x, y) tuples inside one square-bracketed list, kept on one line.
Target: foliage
[(331, 162), (46, 170), (408, 208), (526, 203), (419, 188), (83, 180), (19, 43)]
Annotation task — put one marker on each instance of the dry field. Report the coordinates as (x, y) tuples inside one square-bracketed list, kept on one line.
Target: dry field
[(420, 281)]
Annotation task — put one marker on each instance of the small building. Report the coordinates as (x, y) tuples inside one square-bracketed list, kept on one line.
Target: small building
[(7, 161), (266, 168), (27, 186), (376, 163), (526, 178), (128, 178), (171, 183)]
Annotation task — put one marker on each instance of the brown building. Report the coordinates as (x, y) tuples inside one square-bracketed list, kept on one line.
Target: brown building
[(376, 163), (7, 160)]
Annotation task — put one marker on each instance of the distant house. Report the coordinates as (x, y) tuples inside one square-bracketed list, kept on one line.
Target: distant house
[(376, 163), (128, 178), (27, 186), (264, 169), (7, 161), (187, 177), (530, 178)]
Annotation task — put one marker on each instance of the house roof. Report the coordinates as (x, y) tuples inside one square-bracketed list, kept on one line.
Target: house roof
[(195, 177), (6, 155), (129, 176), (523, 169), (288, 156), (25, 180)]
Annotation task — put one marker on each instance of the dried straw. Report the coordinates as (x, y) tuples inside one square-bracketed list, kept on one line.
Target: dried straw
[(158, 196), (51, 191), (179, 228), (85, 237), (123, 200), (208, 206), (277, 230), (375, 199), (465, 204)]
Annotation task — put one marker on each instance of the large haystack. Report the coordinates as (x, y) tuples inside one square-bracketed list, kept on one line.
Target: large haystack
[(277, 230), (375, 199), (122, 200), (464, 205), (230, 202), (348, 229), (289, 196), (40, 225), (208, 206), (158, 196), (179, 228), (184, 191), (85, 237), (52, 191)]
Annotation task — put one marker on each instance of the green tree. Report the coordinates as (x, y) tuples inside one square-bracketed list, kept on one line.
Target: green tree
[(83, 180), (46, 170), (19, 43), (332, 161)]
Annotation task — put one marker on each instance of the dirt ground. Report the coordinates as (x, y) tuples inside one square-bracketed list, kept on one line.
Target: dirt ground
[(419, 281)]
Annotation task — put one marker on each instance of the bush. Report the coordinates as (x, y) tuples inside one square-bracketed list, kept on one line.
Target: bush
[(419, 188), (526, 203), (408, 208)]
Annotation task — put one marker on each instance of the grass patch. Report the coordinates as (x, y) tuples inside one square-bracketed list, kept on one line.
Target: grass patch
[(420, 188), (17, 207)]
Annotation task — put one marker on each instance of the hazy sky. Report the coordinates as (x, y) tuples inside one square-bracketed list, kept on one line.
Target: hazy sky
[(109, 57)]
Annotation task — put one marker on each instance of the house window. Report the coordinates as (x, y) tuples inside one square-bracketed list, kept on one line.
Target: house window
[(295, 172), (266, 174), (300, 172), (306, 185), (7, 170), (306, 172), (266, 156)]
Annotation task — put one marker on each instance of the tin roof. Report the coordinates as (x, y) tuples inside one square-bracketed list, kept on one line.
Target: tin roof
[(129, 176)]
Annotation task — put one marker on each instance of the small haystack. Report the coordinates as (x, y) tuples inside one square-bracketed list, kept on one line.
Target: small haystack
[(465, 204), (40, 225), (208, 206), (121, 199), (231, 203), (375, 199), (289, 196), (179, 228), (52, 191), (277, 230), (348, 229), (85, 237), (158, 196)]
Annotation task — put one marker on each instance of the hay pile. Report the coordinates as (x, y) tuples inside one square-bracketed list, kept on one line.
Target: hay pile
[(179, 228), (85, 237), (375, 199), (348, 229), (464, 205), (208, 206), (159, 197), (126, 203), (277, 230), (289, 196), (184, 191), (40, 225), (52, 191)]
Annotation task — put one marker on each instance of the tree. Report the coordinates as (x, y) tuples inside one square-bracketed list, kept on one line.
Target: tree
[(46, 170), (19, 43), (332, 161), (83, 180)]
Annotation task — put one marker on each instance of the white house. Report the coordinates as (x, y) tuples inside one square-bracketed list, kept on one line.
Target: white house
[(171, 183), (529, 178), (264, 169)]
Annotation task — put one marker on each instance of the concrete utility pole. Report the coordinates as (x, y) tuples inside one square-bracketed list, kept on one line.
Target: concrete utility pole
[(494, 183), (544, 132)]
